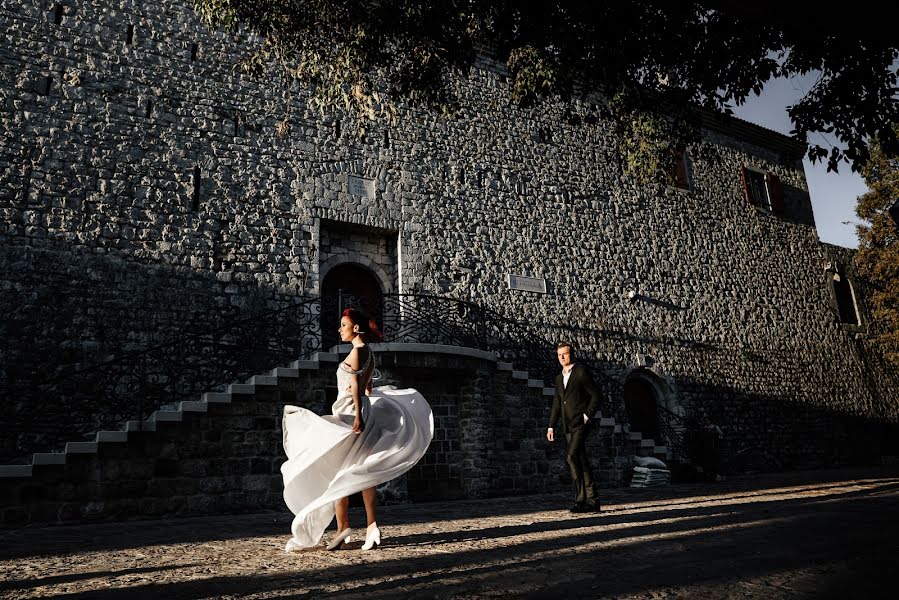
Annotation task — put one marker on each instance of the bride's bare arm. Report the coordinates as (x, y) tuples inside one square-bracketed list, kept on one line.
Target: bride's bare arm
[(352, 361), (358, 424)]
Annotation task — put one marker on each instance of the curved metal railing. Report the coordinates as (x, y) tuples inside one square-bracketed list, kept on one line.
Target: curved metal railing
[(427, 319)]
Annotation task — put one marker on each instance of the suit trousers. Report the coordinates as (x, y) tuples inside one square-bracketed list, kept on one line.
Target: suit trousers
[(581, 473)]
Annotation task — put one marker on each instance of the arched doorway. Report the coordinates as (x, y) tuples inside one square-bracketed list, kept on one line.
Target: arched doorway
[(344, 286), (641, 400)]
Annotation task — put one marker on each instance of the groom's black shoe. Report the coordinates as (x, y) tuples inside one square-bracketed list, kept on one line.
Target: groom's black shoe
[(592, 506), (578, 507)]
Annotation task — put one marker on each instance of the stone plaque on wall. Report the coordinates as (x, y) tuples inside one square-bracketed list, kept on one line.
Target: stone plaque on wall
[(359, 186), (528, 284)]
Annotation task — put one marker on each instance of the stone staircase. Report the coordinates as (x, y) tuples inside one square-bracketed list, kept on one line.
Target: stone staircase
[(168, 414), (223, 452)]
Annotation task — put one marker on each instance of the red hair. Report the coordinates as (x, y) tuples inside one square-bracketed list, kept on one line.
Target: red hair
[(368, 329)]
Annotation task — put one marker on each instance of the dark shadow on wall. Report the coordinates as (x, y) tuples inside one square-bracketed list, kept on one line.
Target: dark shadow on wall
[(67, 310), (91, 341), (811, 427), (758, 432)]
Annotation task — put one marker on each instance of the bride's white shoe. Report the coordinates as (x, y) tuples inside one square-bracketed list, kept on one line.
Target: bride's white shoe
[(372, 537), (340, 539)]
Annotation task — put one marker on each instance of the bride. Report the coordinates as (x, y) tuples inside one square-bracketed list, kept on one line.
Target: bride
[(371, 437)]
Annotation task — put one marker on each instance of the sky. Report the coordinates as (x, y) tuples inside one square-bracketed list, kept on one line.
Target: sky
[(833, 194)]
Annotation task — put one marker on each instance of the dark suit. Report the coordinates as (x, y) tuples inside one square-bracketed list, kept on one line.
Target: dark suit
[(570, 403)]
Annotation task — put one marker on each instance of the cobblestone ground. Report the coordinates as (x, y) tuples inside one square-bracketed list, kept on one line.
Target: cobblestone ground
[(813, 534)]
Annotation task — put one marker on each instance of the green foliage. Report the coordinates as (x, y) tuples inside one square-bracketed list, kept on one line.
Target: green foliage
[(532, 74), (877, 259), (363, 57), (651, 132)]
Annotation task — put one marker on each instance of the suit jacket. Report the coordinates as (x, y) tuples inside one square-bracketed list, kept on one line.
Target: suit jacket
[(571, 403)]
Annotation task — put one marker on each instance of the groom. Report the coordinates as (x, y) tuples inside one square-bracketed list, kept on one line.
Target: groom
[(576, 401)]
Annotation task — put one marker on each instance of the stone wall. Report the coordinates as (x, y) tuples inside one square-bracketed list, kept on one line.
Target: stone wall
[(373, 249), (130, 145), (488, 441)]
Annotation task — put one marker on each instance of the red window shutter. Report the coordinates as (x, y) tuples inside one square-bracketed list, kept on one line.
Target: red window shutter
[(745, 184), (775, 192), (680, 176)]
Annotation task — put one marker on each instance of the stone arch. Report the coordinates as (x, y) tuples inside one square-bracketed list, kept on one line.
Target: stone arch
[(359, 260), (647, 401), (347, 284)]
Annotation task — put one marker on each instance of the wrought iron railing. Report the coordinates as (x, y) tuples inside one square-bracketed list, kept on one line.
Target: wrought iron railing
[(426, 319), (671, 426)]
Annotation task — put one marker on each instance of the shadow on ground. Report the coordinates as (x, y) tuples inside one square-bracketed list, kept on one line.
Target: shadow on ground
[(737, 538)]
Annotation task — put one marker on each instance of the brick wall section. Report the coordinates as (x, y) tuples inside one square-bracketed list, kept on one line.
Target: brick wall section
[(130, 158)]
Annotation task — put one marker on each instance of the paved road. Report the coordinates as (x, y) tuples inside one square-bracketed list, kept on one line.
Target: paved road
[(812, 534)]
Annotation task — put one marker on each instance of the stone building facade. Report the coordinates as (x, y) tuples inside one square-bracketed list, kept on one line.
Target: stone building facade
[(144, 187)]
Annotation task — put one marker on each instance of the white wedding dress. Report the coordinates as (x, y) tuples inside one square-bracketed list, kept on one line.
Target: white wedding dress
[(326, 461)]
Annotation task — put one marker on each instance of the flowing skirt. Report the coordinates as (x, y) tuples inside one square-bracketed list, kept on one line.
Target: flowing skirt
[(326, 461)]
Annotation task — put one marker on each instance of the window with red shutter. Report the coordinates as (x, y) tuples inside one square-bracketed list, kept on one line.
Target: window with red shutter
[(775, 193), (743, 179), (679, 177), (756, 189), (762, 189)]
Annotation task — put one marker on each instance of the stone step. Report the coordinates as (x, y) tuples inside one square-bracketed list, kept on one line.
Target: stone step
[(81, 448), (535, 383), (549, 391), (263, 380), (285, 372), (519, 374), (242, 388), (504, 366), (140, 426), (167, 416), (635, 435), (607, 422), (49, 458), (112, 436), (15, 470), (325, 357), (306, 365), (193, 406), (145, 425), (217, 397), (647, 444)]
